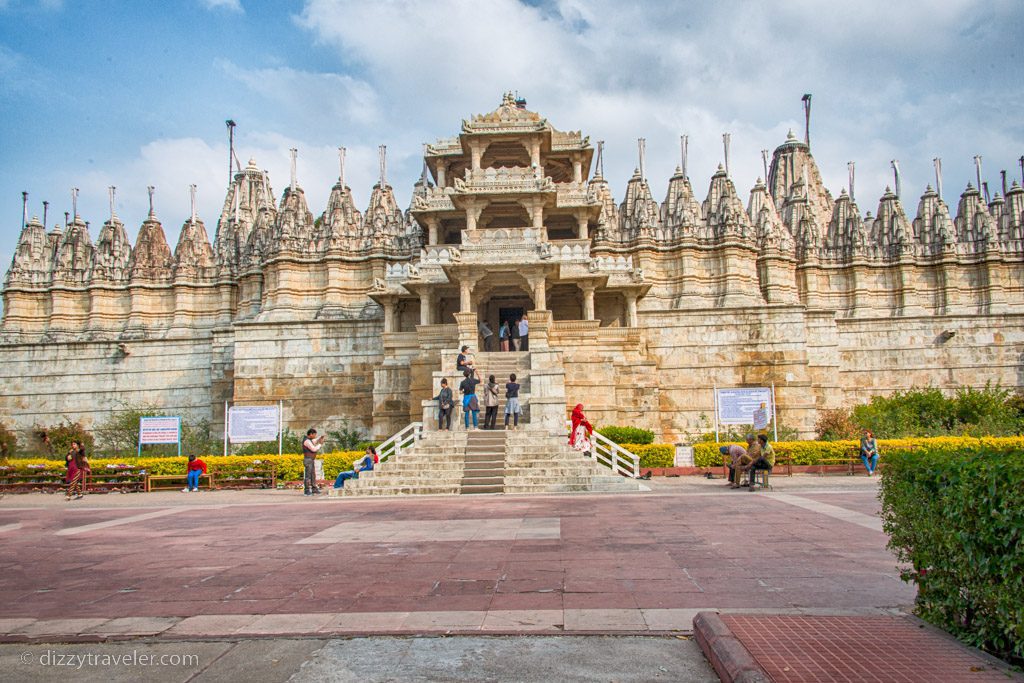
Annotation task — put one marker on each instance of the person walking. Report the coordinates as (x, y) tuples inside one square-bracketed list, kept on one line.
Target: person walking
[(524, 334), (869, 452), (487, 334), (311, 446), (470, 402), (503, 336), (581, 431), (512, 401), (491, 403), (445, 403), (78, 471)]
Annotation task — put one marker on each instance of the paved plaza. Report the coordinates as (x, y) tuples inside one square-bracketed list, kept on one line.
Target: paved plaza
[(237, 567)]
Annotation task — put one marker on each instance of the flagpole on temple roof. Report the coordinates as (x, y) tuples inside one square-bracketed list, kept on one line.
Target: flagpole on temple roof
[(294, 154), (725, 146), (24, 209), (684, 145), (231, 146), (806, 99), (851, 168), (599, 164), (938, 175), (382, 152), (977, 170), (764, 162), (46, 207), (641, 144), (896, 174), (341, 167), (149, 191)]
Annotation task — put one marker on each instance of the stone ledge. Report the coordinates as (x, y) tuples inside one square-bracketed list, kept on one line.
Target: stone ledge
[(731, 660)]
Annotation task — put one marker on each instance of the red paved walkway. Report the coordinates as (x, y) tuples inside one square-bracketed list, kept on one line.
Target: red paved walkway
[(861, 649)]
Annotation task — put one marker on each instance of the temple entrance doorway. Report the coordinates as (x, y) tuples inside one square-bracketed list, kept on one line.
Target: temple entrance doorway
[(505, 303)]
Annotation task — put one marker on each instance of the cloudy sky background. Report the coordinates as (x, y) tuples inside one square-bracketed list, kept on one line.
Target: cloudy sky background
[(134, 94)]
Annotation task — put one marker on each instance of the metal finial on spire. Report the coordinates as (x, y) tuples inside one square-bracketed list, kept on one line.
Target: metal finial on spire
[(684, 149), (896, 175), (112, 192), (74, 202), (977, 170), (851, 169), (341, 166), (725, 146), (294, 153), (237, 201), (231, 146), (46, 208), (641, 145), (938, 175), (764, 162), (984, 192), (1022, 170), (24, 209), (1002, 174), (806, 99), (426, 169), (382, 154), (192, 201), (67, 219), (599, 164), (149, 190)]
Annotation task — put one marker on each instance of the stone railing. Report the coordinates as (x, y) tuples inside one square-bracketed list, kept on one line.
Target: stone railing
[(487, 237), (439, 255), (566, 250), (435, 199), (401, 271), (445, 146), (571, 194), (611, 264), (492, 180)]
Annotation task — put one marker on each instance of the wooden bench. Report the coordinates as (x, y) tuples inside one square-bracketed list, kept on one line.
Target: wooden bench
[(179, 481), (780, 461)]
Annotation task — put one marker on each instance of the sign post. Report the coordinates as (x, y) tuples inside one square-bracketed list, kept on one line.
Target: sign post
[(247, 424), (159, 430), (738, 406)]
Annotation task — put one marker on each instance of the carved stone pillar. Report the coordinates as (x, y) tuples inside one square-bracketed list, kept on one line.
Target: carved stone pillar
[(390, 315), (432, 225), (581, 222), (577, 171), (538, 283), (631, 319), (465, 296), (473, 210), (588, 301), (476, 151), (442, 171), (426, 304), (535, 153)]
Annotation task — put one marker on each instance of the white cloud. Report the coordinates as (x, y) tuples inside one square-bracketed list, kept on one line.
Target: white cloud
[(229, 5)]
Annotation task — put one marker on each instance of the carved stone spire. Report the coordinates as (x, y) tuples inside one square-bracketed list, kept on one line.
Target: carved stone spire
[(933, 225), (793, 164), (258, 243), (294, 228), (891, 228), (151, 259), (846, 229), (681, 212), (723, 210), (75, 256), (973, 222), (193, 257), (769, 231), (33, 257), (608, 219), (639, 213), (113, 253), (383, 220)]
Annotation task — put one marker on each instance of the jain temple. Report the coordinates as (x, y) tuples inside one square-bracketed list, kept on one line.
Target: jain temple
[(637, 307)]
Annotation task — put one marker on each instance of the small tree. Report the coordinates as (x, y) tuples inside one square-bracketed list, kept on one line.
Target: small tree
[(835, 425), (54, 441), (345, 438), (8, 442)]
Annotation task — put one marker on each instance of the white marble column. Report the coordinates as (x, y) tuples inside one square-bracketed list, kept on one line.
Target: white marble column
[(631, 319), (588, 301)]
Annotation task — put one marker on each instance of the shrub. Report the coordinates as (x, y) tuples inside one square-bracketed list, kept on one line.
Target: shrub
[(621, 435), (957, 518), (989, 411), (652, 454), (813, 452), (8, 442), (835, 424), (55, 441), (346, 437)]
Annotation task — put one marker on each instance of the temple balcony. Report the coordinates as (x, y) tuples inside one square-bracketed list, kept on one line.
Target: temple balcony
[(504, 181)]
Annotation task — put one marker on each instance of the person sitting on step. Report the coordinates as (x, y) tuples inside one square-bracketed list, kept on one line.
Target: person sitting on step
[(465, 361), (363, 464), (765, 459)]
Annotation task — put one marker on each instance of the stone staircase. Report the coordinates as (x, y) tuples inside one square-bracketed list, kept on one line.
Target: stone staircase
[(522, 461)]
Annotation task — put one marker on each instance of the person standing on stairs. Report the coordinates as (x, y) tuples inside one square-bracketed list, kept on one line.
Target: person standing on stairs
[(470, 403), (524, 334), (491, 403), (487, 334), (512, 401), (503, 336), (445, 403), (581, 431), (513, 334)]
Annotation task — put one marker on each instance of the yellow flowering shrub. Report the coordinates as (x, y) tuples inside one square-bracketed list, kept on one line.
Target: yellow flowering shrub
[(652, 454), (706, 454)]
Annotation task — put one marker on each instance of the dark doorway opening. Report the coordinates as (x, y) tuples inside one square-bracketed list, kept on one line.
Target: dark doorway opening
[(509, 314)]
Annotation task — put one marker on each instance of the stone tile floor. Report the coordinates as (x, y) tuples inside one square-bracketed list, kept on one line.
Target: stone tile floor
[(265, 564)]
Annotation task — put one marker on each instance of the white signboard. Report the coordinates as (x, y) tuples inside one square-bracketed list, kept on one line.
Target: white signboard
[(253, 423), (159, 430), (737, 406)]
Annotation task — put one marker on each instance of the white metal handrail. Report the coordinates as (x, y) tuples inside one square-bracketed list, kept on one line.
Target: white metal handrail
[(615, 457), (405, 438)]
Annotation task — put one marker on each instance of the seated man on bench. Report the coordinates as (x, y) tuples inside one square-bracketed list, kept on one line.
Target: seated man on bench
[(765, 459)]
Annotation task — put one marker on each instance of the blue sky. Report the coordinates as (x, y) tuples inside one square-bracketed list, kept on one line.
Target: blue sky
[(136, 93)]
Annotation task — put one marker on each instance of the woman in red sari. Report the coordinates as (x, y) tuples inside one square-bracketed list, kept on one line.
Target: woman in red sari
[(78, 470), (581, 430)]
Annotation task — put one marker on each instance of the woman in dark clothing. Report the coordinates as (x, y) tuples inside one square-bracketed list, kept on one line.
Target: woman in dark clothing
[(491, 403), (445, 403)]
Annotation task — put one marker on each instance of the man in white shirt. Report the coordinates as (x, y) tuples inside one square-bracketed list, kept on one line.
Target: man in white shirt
[(311, 446), (524, 334)]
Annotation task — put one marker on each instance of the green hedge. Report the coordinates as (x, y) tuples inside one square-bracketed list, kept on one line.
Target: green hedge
[(813, 452), (652, 454), (624, 435), (957, 519)]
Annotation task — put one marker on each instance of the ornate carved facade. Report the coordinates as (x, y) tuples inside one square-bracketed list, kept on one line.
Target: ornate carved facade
[(636, 308)]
